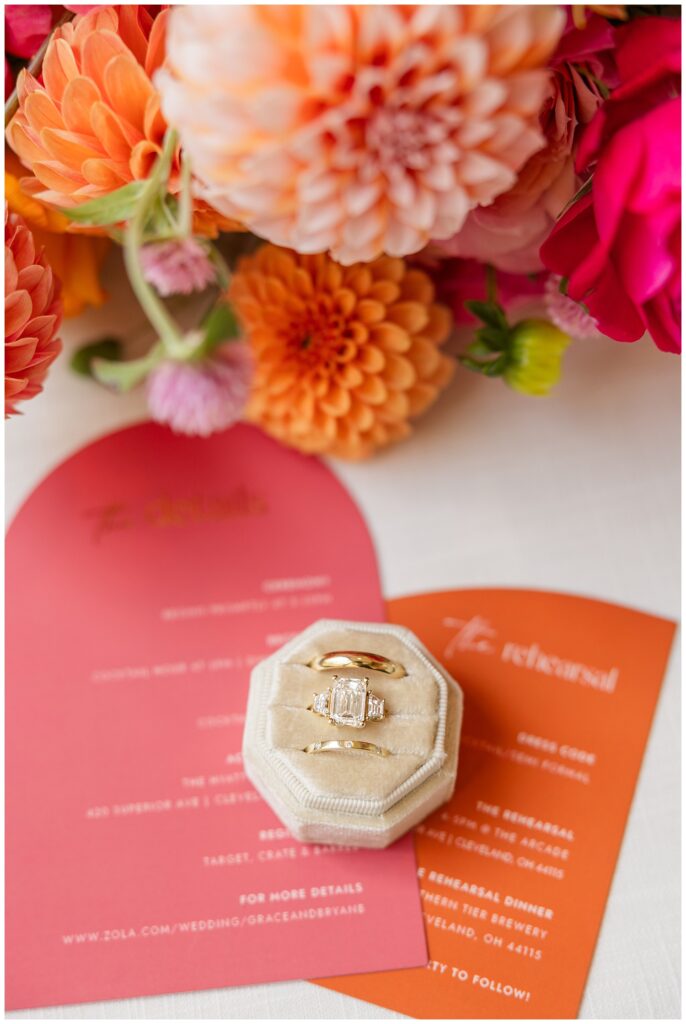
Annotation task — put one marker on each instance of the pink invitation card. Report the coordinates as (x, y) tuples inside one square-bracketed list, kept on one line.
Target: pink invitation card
[(145, 577)]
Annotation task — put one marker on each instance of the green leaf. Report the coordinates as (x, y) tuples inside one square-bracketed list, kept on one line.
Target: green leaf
[(114, 208), (489, 312), (122, 376), (494, 337), (104, 348), (480, 348), (220, 325), (489, 368)]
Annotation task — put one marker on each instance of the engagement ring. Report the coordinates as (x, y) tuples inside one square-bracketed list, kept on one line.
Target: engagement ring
[(348, 702)]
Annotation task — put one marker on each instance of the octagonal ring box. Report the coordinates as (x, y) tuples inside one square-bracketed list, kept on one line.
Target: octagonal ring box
[(352, 797)]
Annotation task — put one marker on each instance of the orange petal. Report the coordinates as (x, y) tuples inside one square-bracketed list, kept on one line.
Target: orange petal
[(370, 312), (79, 96), (17, 312), (345, 301), (143, 156), (105, 174), (25, 143), (371, 359), (41, 112), (128, 89), (440, 324), (359, 279), (19, 353), (384, 291), (56, 176), (11, 273), (396, 407), (349, 376), (373, 390), (388, 268), (412, 316), (362, 416), (154, 124), (302, 282), (399, 372), (155, 54), (130, 30), (424, 356), (59, 67), (337, 402), (116, 138), (99, 48), (68, 147), (418, 287), (390, 337)]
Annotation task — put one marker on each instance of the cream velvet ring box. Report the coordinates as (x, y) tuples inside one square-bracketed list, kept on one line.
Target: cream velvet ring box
[(353, 750)]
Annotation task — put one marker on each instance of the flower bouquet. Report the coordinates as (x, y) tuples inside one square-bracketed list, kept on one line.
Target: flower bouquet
[(348, 184)]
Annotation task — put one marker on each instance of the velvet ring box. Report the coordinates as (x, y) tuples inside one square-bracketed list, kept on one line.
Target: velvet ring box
[(348, 795)]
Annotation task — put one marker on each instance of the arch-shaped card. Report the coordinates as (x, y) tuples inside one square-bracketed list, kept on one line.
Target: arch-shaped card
[(145, 576)]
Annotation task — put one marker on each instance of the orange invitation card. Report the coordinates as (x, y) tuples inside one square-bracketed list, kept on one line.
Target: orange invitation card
[(515, 870)]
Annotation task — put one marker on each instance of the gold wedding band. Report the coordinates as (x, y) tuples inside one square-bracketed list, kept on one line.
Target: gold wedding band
[(357, 659), (370, 748)]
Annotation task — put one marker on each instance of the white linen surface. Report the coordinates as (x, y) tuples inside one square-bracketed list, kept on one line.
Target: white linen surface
[(576, 493)]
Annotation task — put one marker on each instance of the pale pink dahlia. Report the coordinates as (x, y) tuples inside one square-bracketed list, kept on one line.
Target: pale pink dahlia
[(357, 129), (177, 267), (202, 398)]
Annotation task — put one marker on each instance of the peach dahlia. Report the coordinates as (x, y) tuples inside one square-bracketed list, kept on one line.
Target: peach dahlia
[(344, 357), (357, 129)]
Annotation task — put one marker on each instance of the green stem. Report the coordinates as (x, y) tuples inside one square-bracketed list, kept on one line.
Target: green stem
[(185, 212), (154, 309), (220, 265)]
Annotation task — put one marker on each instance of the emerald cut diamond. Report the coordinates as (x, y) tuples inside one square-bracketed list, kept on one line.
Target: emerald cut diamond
[(349, 702)]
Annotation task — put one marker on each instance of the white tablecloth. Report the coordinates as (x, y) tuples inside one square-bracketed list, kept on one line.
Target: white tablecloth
[(576, 493)]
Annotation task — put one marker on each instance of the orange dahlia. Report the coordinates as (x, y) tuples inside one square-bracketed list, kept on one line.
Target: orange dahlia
[(76, 258), (94, 123), (357, 129), (33, 312), (344, 357)]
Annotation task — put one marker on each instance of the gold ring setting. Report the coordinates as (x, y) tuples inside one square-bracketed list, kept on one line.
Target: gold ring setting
[(357, 659), (349, 702), (323, 745)]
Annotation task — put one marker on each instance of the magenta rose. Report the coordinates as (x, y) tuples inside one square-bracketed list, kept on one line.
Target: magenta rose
[(619, 246)]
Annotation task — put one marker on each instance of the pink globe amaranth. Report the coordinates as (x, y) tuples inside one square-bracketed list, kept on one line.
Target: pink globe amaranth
[(177, 267), (619, 246), (202, 398)]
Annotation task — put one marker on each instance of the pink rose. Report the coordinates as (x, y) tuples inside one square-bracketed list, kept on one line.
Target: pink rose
[(619, 246), (26, 26), (460, 281), (509, 233)]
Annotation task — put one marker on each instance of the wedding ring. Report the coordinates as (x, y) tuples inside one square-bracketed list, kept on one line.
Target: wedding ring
[(348, 702), (357, 659), (370, 748)]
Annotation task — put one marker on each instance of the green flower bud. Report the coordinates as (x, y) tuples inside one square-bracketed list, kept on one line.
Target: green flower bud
[(535, 353)]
